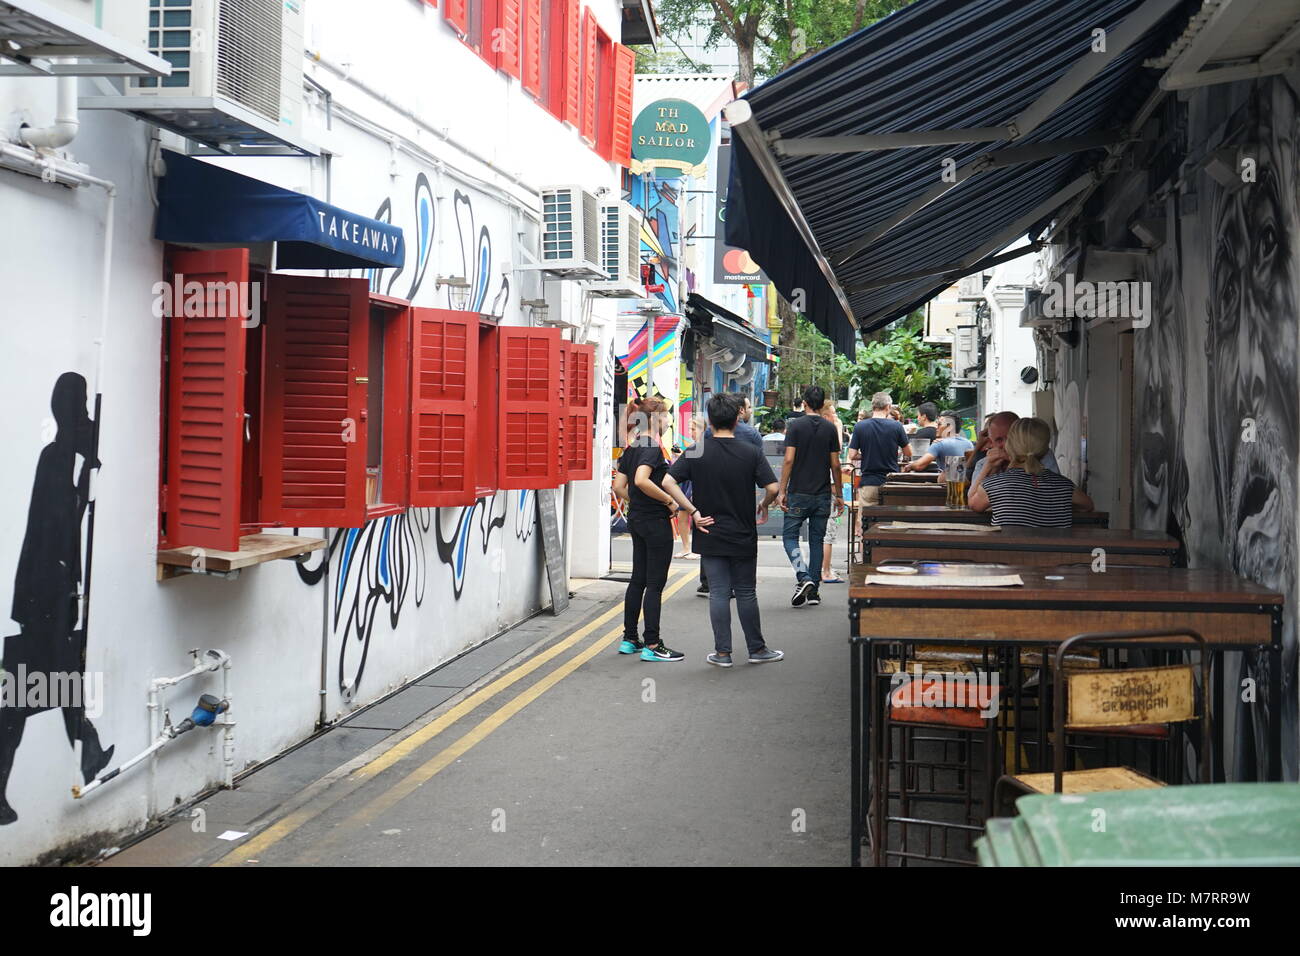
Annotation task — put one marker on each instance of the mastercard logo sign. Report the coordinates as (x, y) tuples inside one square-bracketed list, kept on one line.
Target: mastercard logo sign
[(738, 262)]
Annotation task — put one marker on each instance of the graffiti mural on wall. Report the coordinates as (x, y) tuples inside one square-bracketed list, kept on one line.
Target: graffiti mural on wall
[(1219, 446), (383, 564), (660, 240), (45, 662)]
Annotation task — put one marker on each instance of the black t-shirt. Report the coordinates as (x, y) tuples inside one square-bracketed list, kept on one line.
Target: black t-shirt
[(724, 475), (878, 439), (644, 451), (814, 440)]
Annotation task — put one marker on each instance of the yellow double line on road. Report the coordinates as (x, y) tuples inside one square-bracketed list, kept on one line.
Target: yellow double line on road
[(408, 745)]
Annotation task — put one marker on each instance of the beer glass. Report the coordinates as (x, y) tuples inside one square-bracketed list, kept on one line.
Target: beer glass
[(954, 477)]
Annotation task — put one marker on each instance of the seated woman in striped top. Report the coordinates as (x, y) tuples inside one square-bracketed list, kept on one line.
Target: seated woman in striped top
[(1019, 490)]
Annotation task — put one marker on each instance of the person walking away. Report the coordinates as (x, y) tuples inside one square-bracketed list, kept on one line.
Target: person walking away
[(745, 432), (810, 480), (724, 476), (876, 443), (641, 471), (950, 443), (1026, 493)]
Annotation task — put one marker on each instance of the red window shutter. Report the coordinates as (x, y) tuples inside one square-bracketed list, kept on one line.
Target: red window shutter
[(314, 435), (572, 97), (589, 77), (457, 14), (444, 397), (562, 417), (205, 405), (532, 47), (505, 37), (576, 403), (624, 78), (529, 426)]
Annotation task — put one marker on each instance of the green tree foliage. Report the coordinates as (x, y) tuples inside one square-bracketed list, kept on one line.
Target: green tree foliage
[(772, 35), (900, 363)]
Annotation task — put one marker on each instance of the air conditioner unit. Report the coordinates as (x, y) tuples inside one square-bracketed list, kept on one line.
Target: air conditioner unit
[(246, 51), (1033, 315), (237, 75), (620, 252), (571, 236)]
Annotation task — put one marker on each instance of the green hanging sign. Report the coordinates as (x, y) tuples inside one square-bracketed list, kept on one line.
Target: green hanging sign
[(671, 135)]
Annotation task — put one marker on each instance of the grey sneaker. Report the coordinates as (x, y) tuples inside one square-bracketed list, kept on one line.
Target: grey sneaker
[(766, 656), (721, 660)]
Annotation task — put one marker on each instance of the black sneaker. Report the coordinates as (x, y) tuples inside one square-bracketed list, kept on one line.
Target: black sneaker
[(801, 592), (662, 654), (815, 597), (702, 591)]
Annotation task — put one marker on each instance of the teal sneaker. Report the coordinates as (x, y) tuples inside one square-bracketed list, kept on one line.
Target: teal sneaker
[(662, 654), (631, 647)]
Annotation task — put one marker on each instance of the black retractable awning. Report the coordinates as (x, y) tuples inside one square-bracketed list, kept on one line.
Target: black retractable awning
[(838, 185), (727, 329)]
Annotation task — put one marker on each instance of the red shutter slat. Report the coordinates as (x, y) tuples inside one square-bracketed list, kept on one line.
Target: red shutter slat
[(314, 436), (444, 396), (528, 425), (572, 96), (457, 14), (532, 47), (505, 37), (624, 78), (589, 79), (576, 403), (205, 405)]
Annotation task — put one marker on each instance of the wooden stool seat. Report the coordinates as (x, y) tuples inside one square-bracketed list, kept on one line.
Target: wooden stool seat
[(1099, 780)]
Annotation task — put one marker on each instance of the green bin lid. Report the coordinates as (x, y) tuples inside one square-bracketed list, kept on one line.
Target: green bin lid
[(1226, 824)]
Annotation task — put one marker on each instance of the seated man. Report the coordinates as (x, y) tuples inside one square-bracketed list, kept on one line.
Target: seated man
[(996, 457), (949, 443), (1025, 493)]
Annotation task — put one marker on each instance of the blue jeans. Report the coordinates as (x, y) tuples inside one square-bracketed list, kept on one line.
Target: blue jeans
[(726, 574), (816, 510)]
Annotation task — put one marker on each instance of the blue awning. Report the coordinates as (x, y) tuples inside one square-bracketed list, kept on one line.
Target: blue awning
[(202, 203), (934, 65)]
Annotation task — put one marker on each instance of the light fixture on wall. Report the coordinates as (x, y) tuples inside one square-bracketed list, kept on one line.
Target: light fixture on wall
[(538, 309), (457, 290)]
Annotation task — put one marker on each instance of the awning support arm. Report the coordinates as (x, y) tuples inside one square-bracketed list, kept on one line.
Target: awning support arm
[(999, 159), (1183, 71), (950, 270), (1016, 229), (1132, 29), (743, 124)]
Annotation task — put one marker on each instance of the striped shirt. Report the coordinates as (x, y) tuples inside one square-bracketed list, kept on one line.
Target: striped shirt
[(1022, 500)]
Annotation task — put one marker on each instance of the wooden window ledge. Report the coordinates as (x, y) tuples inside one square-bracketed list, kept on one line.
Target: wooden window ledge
[(254, 549)]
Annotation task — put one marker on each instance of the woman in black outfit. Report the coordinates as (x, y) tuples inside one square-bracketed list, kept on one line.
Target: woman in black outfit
[(641, 470)]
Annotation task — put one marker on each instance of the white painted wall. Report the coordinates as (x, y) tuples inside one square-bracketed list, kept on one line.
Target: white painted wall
[(466, 573), (1010, 347)]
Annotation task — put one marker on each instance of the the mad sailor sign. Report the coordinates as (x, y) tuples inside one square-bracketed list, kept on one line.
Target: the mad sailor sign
[(671, 137)]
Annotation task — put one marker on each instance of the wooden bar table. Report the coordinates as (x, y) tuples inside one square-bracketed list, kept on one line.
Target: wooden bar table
[(913, 493), (886, 543), (1049, 606), (939, 514)]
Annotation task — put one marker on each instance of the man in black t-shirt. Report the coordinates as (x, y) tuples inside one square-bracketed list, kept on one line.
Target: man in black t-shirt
[(724, 475), (809, 474)]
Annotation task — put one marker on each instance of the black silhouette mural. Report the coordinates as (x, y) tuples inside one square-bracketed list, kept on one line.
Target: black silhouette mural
[(52, 639)]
